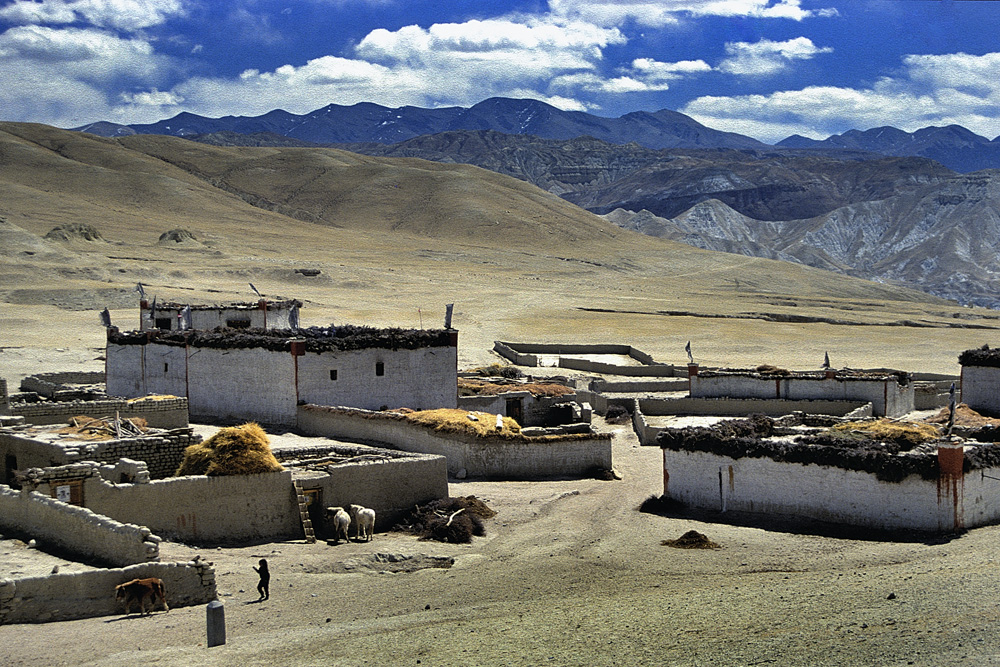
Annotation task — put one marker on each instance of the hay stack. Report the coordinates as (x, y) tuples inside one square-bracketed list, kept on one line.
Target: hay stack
[(235, 450), (886, 430), (452, 420)]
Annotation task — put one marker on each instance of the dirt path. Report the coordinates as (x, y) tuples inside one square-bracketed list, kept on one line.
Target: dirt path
[(571, 574)]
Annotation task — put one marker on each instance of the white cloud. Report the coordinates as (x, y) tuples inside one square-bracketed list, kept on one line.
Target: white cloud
[(933, 90), (765, 57), (660, 13), (153, 98), (126, 15), (85, 54)]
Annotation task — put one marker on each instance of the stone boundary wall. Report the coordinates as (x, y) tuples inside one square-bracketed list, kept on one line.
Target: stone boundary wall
[(979, 388), (639, 386), (73, 595), (491, 458), (167, 413), (764, 486), (50, 384), (526, 354), (887, 396), (735, 407), (161, 451), (78, 530)]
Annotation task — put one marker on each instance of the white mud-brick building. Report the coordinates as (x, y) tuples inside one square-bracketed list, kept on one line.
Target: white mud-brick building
[(264, 375), (891, 393), (262, 314), (981, 379)]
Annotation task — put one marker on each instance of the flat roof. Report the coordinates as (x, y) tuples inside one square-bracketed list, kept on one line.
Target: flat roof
[(316, 339)]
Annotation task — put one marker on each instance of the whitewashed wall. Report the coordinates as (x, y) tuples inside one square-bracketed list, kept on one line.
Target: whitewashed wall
[(887, 397), (981, 388), (421, 379), (765, 486)]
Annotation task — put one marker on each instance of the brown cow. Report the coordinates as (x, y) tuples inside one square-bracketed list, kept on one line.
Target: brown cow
[(139, 590)]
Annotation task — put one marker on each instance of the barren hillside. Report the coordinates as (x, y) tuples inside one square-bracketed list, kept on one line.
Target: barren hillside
[(396, 239)]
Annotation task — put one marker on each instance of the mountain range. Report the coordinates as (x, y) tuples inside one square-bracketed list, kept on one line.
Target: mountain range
[(953, 146), (873, 204)]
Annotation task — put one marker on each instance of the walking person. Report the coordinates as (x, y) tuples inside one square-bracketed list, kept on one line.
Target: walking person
[(265, 580)]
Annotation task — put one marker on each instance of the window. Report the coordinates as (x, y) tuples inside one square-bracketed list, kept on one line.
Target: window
[(379, 368), (165, 367), (164, 323), (238, 324), (333, 374)]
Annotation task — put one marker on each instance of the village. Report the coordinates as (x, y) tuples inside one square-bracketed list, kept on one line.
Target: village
[(100, 468)]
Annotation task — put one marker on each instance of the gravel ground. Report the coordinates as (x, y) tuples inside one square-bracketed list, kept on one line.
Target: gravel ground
[(571, 574)]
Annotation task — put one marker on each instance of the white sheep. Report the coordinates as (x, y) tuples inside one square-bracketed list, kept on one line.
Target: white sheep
[(341, 522), (363, 519)]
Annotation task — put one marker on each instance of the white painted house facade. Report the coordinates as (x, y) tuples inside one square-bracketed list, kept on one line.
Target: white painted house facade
[(264, 376)]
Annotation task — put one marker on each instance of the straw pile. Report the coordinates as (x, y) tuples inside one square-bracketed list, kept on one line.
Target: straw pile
[(451, 420), (469, 387), (887, 430), (83, 427), (235, 450), (964, 416)]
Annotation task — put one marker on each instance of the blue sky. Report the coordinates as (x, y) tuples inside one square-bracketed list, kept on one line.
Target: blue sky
[(765, 68)]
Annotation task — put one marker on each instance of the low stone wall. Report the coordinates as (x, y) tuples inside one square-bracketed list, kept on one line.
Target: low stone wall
[(52, 385), (78, 530), (72, 595), (161, 451), (492, 458), (4, 398), (166, 413), (527, 354), (765, 486), (734, 407), (639, 386)]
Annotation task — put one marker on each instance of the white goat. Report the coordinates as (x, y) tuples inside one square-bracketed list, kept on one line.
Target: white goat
[(341, 522), (363, 519)]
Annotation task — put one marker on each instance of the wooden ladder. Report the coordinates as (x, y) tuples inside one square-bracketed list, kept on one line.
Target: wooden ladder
[(307, 524)]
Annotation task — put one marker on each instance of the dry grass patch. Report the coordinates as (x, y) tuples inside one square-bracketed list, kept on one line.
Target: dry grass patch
[(964, 416), (467, 387), (451, 420), (234, 450), (887, 430)]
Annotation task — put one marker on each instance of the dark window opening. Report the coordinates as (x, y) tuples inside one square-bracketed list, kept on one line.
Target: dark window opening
[(333, 374), (164, 323), (379, 368), (9, 466), (238, 324), (165, 366)]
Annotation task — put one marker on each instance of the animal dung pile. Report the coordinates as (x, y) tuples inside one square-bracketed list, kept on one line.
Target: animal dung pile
[(453, 520), (234, 450), (691, 540)]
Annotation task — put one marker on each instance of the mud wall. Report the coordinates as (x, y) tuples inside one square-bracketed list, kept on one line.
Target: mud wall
[(72, 595), (78, 530), (492, 458), (887, 397)]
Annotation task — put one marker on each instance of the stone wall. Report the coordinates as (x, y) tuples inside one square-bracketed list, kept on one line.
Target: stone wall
[(78, 530), (887, 396), (162, 451), (53, 385), (493, 458), (4, 398), (165, 413), (72, 595), (764, 486), (527, 354)]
